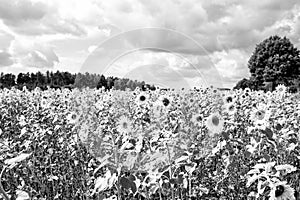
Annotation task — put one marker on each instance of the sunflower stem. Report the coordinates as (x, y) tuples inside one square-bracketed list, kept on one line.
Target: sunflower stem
[(117, 166), (170, 171), (2, 191), (190, 187)]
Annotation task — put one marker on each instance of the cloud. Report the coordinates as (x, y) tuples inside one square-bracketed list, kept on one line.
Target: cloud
[(231, 64), (5, 59), (31, 54), (49, 26), (29, 17), (167, 66), (17, 11), (240, 24), (159, 75), (5, 39), (215, 37)]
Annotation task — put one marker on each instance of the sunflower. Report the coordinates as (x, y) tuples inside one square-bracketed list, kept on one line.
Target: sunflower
[(197, 119), (281, 89), (73, 118), (247, 90), (230, 108), (215, 123), (228, 99), (165, 101), (282, 191), (260, 116), (124, 124), (142, 98), (99, 105), (45, 103)]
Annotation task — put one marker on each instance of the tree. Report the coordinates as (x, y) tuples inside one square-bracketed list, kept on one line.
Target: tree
[(274, 60), (110, 82), (7, 80), (102, 82)]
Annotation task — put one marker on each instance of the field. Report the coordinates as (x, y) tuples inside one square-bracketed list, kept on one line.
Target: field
[(95, 144)]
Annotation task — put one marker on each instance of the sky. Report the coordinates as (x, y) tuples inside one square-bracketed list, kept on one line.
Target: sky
[(172, 43)]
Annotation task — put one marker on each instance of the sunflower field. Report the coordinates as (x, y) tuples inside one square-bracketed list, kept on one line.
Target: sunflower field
[(165, 144)]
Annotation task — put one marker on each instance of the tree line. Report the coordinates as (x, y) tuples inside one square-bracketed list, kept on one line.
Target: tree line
[(68, 80)]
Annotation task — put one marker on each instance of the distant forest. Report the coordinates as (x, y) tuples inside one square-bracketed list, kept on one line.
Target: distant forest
[(68, 80)]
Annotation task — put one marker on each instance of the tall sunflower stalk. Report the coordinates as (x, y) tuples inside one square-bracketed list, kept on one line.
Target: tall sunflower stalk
[(2, 191)]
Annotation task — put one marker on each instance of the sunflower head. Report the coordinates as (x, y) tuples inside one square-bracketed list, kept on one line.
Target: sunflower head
[(142, 98), (247, 90), (165, 101), (197, 119), (73, 117), (228, 99), (261, 114), (282, 191), (230, 108), (281, 88), (215, 123), (279, 190), (124, 124)]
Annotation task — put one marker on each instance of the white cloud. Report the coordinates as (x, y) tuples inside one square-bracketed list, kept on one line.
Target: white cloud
[(92, 48), (5, 59), (32, 54)]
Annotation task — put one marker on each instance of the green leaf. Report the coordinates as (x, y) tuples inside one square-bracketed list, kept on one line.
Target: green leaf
[(128, 184), (13, 161), (21, 195), (225, 135), (268, 132)]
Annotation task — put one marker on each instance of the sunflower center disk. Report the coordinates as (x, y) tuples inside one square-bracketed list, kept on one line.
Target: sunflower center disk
[(142, 98), (279, 191), (125, 125), (229, 99), (215, 121), (260, 115), (166, 102)]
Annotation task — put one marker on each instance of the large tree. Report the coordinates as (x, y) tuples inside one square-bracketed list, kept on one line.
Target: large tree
[(275, 60)]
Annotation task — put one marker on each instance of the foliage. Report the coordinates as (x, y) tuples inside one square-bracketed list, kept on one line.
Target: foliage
[(97, 144), (243, 84), (59, 80), (275, 60)]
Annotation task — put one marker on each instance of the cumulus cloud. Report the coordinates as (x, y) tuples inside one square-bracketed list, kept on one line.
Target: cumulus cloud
[(5, 39), (17, 11), (31, 54), (29, 17), (5, 59)]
